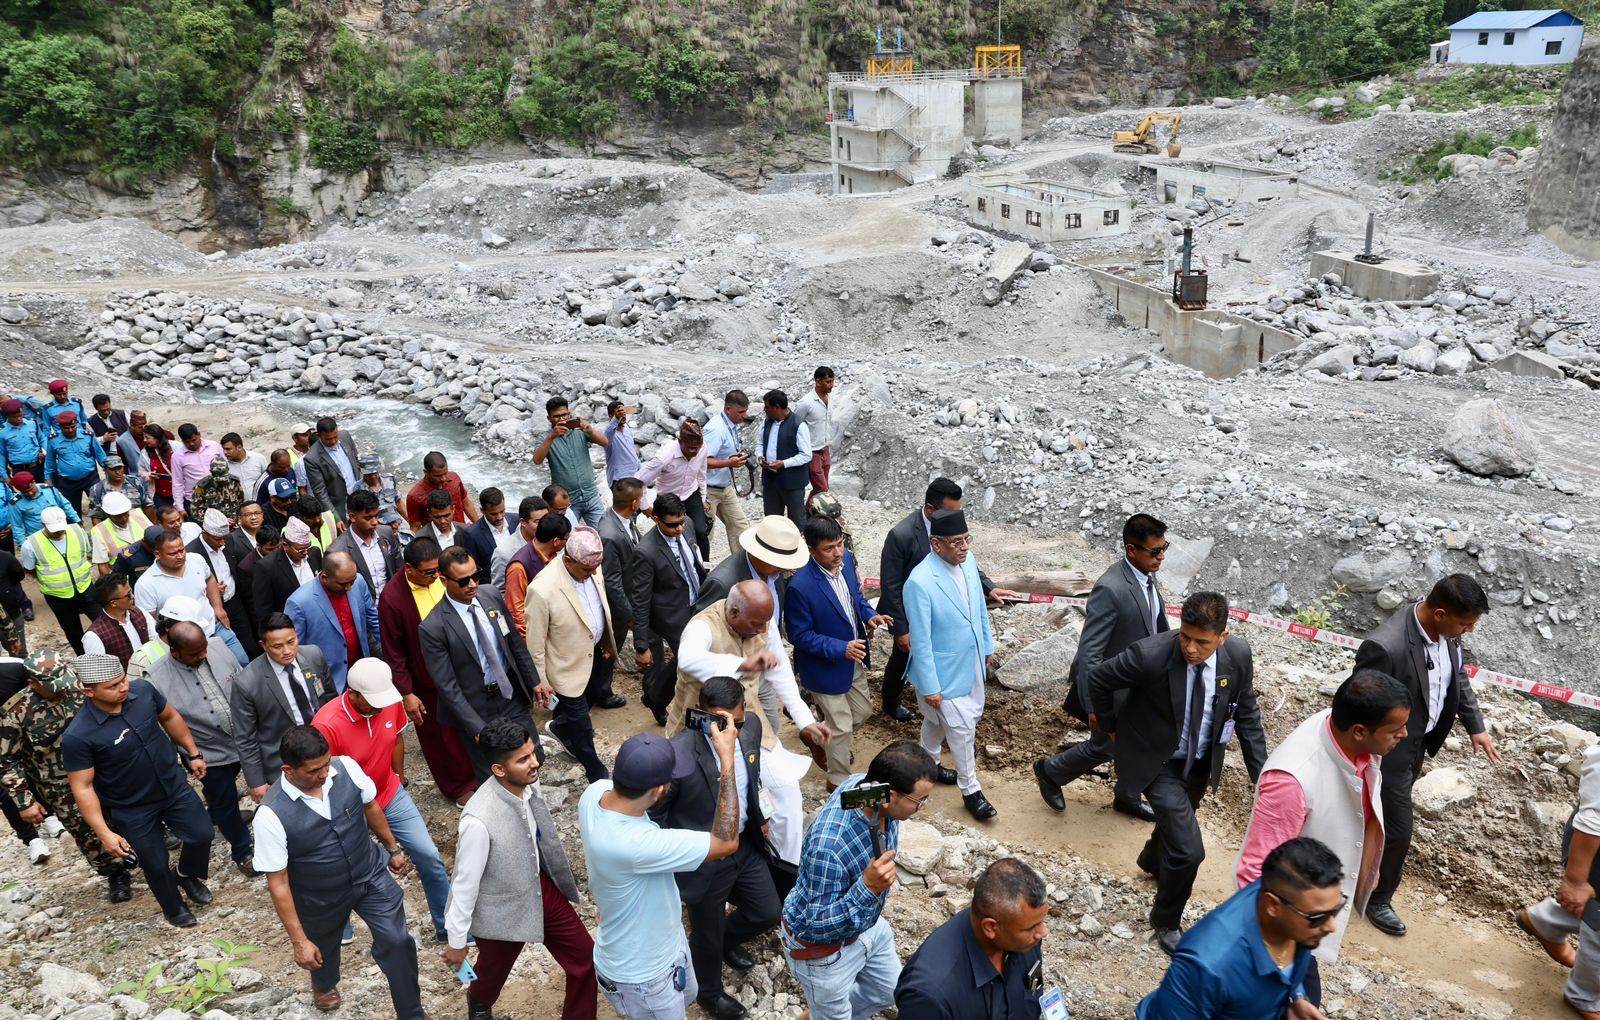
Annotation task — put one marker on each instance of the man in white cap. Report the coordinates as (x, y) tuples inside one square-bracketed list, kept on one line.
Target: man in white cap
[(212, 548), (120, 526), (57, 555), (177, 609), (121, 754), (364, 724), (569, 634)]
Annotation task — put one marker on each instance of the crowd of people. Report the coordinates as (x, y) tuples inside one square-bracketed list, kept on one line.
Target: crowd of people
[(262, 630)]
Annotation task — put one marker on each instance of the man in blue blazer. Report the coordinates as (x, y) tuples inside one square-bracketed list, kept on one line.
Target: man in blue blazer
[(950, 646), (830, 626), (336, 612)]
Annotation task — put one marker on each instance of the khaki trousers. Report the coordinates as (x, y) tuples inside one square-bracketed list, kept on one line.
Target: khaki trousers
[(723, 504), (843, 713)]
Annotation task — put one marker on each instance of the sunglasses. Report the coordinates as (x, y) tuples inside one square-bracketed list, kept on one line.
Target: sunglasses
[(470, 581), (1319, 918), (1154, 550)]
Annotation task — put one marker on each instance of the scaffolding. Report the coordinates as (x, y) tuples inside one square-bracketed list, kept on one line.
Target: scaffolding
[(998, 62)]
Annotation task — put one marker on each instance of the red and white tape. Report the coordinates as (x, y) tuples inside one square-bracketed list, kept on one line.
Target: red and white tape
[(1538, 689)]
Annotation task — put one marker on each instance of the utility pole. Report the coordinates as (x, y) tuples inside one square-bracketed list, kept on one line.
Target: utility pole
[(999, 40)]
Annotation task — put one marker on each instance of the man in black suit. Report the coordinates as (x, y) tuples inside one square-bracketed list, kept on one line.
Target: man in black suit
[(905, 546), (279, 575), (619, 538), (1124, 606), (1420, 646), (481, 670), (282, 687), (666, 581), (332, 467), (373, 546), (483, 534), (1189, 692), (744, 879)]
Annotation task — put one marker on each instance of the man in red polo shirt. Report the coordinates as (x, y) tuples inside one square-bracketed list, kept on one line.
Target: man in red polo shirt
[(365, 723), (436, 475)]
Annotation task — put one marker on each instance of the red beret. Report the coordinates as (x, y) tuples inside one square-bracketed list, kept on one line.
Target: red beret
[(57, 385), (68, 417), (22, 479)]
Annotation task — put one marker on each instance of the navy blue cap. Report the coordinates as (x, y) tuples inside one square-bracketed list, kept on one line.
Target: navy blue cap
[(283, 488), (648, 760)]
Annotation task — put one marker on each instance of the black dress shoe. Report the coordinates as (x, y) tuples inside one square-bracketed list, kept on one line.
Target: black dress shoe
[(612, 701), (737, 958), (1133, 809), (1047, 789), (1147, 862), (182, 919), (27, 612), (1167, 939), (478, 1011), (120, 887), (898, 712), (195, 889), (1384, 919), (171, 841), (946, 776), (979, 805), (722, 1006), (660, 715)]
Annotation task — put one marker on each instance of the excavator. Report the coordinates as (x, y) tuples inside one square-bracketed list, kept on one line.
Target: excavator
[(1140, 140)]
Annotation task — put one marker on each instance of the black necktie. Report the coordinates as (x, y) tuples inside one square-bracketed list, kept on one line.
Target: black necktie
[(633, 529), (1197, 696), (300, 700)]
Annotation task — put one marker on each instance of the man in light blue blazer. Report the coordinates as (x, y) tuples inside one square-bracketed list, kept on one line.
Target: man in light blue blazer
[(950, 645), (336, 612)]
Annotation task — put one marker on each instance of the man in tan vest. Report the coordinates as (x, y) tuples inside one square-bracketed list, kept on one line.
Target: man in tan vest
[(734, 638), (1323, 782)]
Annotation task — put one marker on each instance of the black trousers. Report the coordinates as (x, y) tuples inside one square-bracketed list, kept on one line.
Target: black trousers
[(661, 680), (480, 761), (69, 614), (1078, 759), (143, 827), (1397, 828), (570, 723), (775, 500), (894, 677), (220, 788), (695, 508), (604, 672), (1176, 848), (73, 490), (25, 832), (382, 905), (748, 887)]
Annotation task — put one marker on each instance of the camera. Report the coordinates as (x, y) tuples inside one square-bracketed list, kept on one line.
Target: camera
[(702, 721), (864, 796)]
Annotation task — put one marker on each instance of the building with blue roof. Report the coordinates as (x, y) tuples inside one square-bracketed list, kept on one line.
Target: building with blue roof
[(1517, 38)]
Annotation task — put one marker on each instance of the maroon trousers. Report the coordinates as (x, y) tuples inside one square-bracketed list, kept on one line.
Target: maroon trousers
[(443, 750), (568, 941)]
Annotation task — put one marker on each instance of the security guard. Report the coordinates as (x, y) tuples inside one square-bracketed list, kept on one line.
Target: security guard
[(58, 557), (72, 460), (31, 724), (21, 449), (120, 759)]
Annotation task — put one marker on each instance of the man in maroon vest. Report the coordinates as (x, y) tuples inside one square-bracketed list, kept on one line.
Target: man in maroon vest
[(121, 626)]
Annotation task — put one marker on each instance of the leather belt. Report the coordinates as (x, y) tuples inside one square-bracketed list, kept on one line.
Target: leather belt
[(815, 950)]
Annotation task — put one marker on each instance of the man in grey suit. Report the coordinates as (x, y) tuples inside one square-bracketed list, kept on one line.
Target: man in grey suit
[(1189, 692), (773, 536), (1420, 645), (332, 467), (905, 546), (667, 576), (481, 670), (619, 538), (283, 687), (1124, 606), (373, 546)]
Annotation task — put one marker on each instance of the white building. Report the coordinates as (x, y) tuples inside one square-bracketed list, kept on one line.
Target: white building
[(1215, 181), (1522, 38), (1045, 210), (894, 131)]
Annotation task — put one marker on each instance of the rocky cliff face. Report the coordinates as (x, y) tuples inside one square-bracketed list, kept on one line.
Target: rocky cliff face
[(1564, 199)]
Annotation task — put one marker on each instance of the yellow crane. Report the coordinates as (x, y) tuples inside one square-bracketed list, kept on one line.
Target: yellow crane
[(1139, 140)]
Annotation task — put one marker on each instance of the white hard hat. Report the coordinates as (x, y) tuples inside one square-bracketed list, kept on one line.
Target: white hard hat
[(115, 503)]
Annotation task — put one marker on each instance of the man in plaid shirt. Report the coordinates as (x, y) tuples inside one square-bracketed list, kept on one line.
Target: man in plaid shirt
[(839, 947)]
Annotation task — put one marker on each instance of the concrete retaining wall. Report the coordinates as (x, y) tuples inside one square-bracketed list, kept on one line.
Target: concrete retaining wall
[(1389, 280), (997, 111)]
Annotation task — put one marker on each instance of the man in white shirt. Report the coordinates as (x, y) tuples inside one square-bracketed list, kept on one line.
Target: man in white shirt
[(512, 883), (247, 466), (815, 410), (115, 598), (177, 571), (785, 455)]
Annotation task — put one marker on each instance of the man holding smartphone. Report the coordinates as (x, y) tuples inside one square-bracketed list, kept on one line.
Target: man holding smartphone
[(641, 956)]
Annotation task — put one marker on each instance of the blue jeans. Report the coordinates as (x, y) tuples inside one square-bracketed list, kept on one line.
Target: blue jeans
[(853, 983), (658, 999), (231, 639), (587, 505), (405, 821)]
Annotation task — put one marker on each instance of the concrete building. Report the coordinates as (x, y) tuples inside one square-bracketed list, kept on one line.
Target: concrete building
[(1184, 180), (892, 131), (1045, 210), (1521, 38)]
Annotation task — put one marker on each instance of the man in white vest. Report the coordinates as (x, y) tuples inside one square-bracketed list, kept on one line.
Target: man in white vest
[(1323, 782)]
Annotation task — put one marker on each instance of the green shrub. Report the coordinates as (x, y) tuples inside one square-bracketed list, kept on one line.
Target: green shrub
[(341, 145), (681, 76)]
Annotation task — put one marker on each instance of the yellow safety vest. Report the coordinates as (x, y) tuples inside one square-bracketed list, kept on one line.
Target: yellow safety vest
[(107, 532), (61, 576)]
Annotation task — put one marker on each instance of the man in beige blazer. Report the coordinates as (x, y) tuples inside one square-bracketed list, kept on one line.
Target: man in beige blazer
[(569, 634)]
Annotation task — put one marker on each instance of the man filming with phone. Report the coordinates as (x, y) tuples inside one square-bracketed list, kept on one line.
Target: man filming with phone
[(839, 947)]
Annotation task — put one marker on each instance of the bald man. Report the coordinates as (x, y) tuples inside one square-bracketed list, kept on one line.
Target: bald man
[(336, 612)]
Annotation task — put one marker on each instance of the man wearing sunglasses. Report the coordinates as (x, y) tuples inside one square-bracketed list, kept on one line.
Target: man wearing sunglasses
[(1250, 956), (1125, 606), (1323, 781)]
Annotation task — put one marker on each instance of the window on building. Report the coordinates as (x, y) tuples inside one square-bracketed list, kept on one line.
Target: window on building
[(1111, 217), (1483, 38), (983, 203), (1033, 218), (841, 143), (841, 180), (1511, 38), (1005, 211), (1552, 48), (1073, 220), (1197, 191)]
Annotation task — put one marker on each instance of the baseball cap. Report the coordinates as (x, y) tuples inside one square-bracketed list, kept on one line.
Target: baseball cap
[(49, 671), (115, 503), (283, 488), (373, 680), (53, 518), (647, 760), (154, 534), (114, 461)]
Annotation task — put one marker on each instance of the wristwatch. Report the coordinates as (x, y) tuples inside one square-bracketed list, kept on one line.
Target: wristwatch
[(396, 852), (193, 757)]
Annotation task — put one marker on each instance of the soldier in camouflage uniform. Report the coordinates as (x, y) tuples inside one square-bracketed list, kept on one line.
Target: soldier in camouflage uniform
[(220, 490), (31, 724)]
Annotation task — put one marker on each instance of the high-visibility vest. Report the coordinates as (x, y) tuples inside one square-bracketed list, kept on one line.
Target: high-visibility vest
[(107, 533), (62, 576)]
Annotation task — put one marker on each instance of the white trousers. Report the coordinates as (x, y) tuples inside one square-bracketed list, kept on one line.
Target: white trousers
[(955, 722)]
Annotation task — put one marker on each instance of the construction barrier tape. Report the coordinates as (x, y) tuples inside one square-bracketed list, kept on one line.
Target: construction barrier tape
[(1550, 692)]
